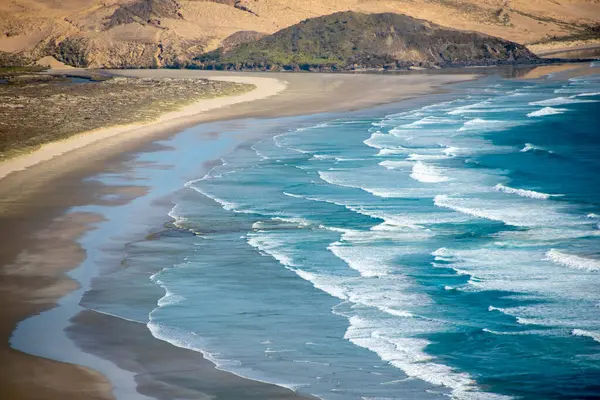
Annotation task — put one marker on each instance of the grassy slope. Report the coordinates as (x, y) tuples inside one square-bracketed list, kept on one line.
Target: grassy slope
[(38, 109), (151, 33), (354, 40)]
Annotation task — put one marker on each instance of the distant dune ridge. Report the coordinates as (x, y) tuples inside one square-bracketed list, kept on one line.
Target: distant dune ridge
[(159, 33)]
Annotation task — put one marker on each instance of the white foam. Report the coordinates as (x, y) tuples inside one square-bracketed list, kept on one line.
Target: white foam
[(407, 354), (270, 350), (481, 108), (328, 284), (178, 219), (322, 157), (581, 332), (522, 192), (477, 209), (391, 152), (258, 225), (559, 101), (293, 220), (366, 260), (528, 147), (426, 157), (296, 196), (391, 164), (179, 339), (382, 141), (271, 247), (397, 313), (569, 90), (465, 109), (226, 205), (454, 151), (169, 298), (588, 94), (427, 173), (502, 333), (531, 147), (547, 111), (532, 321), (573, 262), (344, 159), (339, 179), (189, 340), (258, 152), (317, 126), (479, 124), (429, 120)]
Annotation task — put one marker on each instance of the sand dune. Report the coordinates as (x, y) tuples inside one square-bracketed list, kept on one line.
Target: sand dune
[(121, 33)]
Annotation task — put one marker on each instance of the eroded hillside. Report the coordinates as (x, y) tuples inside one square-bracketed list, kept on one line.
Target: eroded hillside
[(154, 33)]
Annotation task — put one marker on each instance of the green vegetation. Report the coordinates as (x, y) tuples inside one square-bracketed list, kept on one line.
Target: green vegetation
[(10, 71), (37, 109), (587, 33), (13, 60), (350, 41)]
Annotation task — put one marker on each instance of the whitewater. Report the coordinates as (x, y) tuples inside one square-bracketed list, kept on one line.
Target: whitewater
[(446, 248)]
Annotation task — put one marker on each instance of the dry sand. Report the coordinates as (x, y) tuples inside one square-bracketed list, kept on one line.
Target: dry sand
[(205, 24), (265, 87), (38, 240)]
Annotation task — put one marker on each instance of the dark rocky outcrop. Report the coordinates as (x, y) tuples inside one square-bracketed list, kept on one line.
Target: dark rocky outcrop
[(145, 12), (355, 41), (72, 51), (242, 5), (13, 60)]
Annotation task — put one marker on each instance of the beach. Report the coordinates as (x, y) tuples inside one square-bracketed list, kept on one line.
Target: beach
[(50, 205)]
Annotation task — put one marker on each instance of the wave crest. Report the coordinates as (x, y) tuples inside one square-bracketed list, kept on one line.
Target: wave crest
[(547, 111), (427, 173), (559, 101), (522, 192), (581, 332), (573, 262)]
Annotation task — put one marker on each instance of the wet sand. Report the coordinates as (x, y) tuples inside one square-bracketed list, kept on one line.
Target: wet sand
[(38, 245)]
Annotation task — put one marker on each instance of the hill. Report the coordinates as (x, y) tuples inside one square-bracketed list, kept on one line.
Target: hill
[(355, 41), (155, 33)]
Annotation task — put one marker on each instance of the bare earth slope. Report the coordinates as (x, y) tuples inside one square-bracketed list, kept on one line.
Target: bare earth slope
[(154, 33)]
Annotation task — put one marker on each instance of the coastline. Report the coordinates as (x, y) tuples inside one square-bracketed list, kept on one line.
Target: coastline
[(66, 186), (265, 87)]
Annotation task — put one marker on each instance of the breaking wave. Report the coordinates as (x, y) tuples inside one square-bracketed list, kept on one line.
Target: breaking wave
[(547, 111), (522, 192), (573, 262)]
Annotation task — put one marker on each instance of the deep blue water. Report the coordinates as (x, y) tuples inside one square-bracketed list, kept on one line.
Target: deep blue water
[(447, 249)]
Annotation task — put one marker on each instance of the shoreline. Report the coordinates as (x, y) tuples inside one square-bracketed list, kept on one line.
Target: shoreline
[(305, 95), (265, 87)]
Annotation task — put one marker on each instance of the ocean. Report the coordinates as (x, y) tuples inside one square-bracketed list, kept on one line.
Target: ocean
[(442, 247)]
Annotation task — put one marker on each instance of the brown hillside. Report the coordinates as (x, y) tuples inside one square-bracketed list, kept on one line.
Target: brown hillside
[(151, 33)]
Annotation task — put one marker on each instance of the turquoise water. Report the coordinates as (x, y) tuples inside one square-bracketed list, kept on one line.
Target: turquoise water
[(406, 252)]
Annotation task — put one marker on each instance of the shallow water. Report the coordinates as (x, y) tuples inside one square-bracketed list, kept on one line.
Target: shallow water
[(420, 251)]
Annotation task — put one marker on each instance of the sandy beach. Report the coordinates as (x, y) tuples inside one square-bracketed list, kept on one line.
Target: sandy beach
[(40, 241), (265, 87)]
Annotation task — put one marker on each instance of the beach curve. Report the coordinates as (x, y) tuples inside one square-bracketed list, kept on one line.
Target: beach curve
[(265, 87)]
